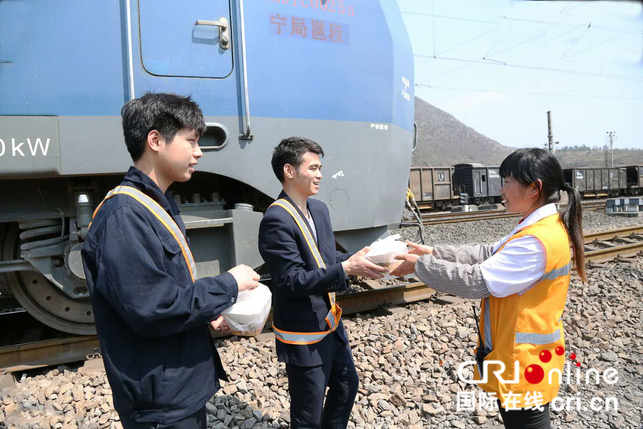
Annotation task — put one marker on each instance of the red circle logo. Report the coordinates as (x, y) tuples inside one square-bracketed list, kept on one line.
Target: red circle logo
[(545, 356), (534, 374), (560, 351)]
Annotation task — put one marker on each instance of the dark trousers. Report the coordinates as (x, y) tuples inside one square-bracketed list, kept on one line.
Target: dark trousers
[(525, 418), (307, 386), (198, 420)]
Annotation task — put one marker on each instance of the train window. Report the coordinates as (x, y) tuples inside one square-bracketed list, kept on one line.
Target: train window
[(484, 177)]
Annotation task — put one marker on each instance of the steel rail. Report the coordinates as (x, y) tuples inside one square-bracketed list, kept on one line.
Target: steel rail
[(26, 356), (615, 233), (611, 253), (455, 217), (53, 352)]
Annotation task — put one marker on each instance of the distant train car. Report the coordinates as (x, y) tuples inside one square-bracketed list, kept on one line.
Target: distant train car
[(482, 184), (634, 179), (432, 186), (597, 182)]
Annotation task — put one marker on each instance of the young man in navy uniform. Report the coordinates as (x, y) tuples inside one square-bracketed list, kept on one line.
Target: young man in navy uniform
[(151, 311), (297, 243)]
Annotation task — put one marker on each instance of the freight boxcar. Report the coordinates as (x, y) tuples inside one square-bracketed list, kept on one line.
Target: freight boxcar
[(482, 184), (597, 182), (634, 179), (432, 186)]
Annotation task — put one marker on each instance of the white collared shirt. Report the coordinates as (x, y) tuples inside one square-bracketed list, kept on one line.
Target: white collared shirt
[(521, 263), (311, 222)]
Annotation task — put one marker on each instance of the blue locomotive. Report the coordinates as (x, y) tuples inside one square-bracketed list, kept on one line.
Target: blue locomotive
[(337, 71)]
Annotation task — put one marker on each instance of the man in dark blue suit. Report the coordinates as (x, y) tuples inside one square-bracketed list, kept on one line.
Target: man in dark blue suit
[(297, 243)]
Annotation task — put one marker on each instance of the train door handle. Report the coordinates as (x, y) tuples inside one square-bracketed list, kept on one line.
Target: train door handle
[(224, 30), (215, 137)]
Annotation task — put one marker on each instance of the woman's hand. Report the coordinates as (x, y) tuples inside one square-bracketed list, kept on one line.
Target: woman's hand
[(407, 266), (220, 325), (419, 249)]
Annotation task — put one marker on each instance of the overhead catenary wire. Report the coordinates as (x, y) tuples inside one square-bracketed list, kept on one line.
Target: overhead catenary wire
[(527, 92), (492, 62), (577, 40), (593, 46), (533, 21)]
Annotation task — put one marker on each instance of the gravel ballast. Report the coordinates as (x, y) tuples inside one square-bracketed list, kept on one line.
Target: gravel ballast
[(407, 360)]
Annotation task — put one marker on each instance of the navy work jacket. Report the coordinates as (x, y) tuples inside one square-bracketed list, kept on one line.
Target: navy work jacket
[(300, 288), (151, 319)]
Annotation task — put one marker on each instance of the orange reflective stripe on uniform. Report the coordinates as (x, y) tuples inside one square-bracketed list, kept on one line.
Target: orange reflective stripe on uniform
[(334, 315), (163, 217)]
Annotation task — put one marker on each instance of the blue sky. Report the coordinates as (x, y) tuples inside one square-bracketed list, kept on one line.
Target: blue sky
[(499, 66)]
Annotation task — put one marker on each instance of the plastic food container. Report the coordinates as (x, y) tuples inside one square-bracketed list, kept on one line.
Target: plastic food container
[(249, 315), (383, 252)]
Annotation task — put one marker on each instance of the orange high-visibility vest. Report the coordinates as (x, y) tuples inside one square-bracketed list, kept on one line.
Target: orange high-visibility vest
[(163, 217), (334, 314), (527, 327)]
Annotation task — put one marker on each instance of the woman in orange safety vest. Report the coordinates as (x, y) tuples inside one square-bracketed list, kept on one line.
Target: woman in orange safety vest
[(522, 281)]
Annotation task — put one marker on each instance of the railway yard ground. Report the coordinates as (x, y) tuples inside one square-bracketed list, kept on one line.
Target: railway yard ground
[(407, 359)]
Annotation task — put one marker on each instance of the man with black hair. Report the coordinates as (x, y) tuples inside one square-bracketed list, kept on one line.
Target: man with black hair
[(151, 311), (297, 243)]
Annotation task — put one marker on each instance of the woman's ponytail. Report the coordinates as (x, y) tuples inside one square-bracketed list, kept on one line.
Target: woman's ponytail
[(573, 220)]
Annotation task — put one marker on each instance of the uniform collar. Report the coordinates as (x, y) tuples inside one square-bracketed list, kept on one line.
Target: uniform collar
[(285, 196), (144, 183), (543, 212)]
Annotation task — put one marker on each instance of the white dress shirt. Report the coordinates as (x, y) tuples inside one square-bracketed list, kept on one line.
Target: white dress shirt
[(522, 262), (311, 222)]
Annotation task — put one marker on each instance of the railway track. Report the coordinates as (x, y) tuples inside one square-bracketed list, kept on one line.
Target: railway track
[(599, 247), (450, 217), (37, 354)]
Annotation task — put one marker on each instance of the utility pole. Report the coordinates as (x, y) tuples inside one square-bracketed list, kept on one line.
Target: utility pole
[(550, 135), (611, 136)]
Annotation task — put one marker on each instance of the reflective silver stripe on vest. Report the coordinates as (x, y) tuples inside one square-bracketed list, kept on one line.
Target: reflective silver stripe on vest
[(290, 337), (160, 213), (558, 272), (537, 339), (487, 325), (305, 337)]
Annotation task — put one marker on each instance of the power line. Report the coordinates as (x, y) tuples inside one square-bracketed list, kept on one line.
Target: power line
[(492, 62), (577, 40), (593, 46), (542, 33), (534, 21), (566, 32), (597, 27), (528, 93), (467, 41), (450, 17), (433, 6)]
